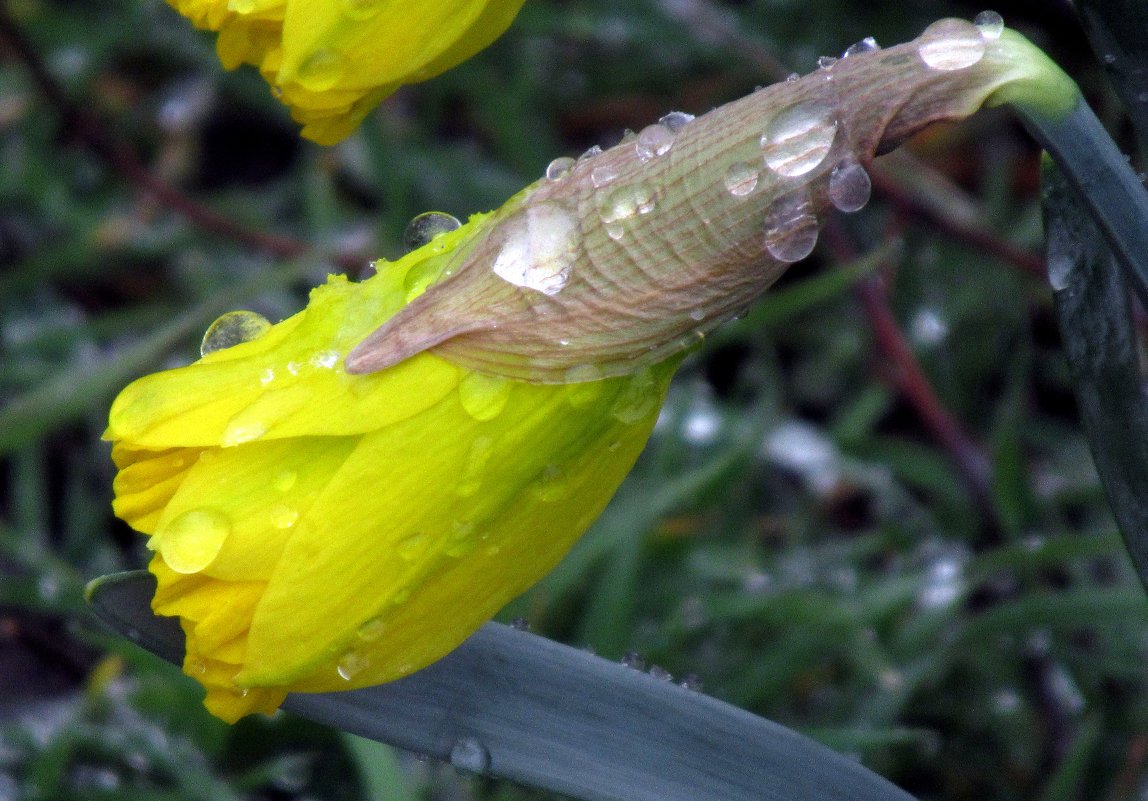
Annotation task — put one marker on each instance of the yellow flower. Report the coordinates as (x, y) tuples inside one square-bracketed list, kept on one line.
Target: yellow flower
[(332, 61), (316, 530)]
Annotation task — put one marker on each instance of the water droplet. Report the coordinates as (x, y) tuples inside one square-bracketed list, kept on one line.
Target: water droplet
[(559, 168), (691, 681), (241, 6), (284, 480), (697, 315), (474, 467), (551, 484), (991, 24), (741, 178), (654, 140), (413, 546), (603, 174), (792, 77), (352, 664), (676, 120), (423, 229), (866, 45), (325, 359), (233, 329), (361, 9), (638, 400), (539, 247), (825, 62), (401, 596), (633, 659), (849, 186), (240, 431), (267, 376), (951, 44), (461, 539), (470, 755), (791, 229), (190, 541), (321, 70), (484, 396), (520, 624), (799, 138), (1109, 58), (583, 384), (293, 368), (372, 630), (660, 673), (622, 204), (283, 516), (591, 152)]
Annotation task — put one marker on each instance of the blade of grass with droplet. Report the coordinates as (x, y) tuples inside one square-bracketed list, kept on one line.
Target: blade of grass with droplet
[(511, 704), (1096, 326)]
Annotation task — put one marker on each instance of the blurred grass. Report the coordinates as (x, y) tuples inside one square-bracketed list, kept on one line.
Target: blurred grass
[(793, 536)]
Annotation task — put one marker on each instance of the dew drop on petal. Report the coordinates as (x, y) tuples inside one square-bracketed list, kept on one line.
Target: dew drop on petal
[(190, 541), (559, 168), (232, 329), (283, 516), (241, 6), (425, 227), (675, 120), (483, 396), (637, 400), (849, 186), (552, 484), (372, 630), (461, 539), (799, 138), (583, 384), (741, 178), (470, 755), (791, 229), (474, 467), (990, 23), (951, 44), (241, 431), (351, 664), (654, 140), (539, 247), (361, 9), (413, 546), (325, 359), (284, 480), (866, 45), (321, 70)]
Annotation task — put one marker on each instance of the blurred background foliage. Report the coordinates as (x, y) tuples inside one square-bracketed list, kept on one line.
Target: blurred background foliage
[(867, 511)]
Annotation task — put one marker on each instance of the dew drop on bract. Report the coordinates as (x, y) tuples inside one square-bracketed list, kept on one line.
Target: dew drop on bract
[(675, 120), (849, 186), (321, 70), (351, 664), (951, 44), (990, 23), (559, 168), (741, 178), (232, 329), (362, 9), (825, 62), (654, 140), (591, 152), (426, 226), (190, 541), (603, 174), (622, 204), (799, 138), (470, 755), (791, 229), (866, 45), (792, 77), (539, 247), (483, 396)]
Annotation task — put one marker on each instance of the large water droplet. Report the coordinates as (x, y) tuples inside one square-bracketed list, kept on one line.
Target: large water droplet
[(622, 204), (552, 484), (849, 186), (538, 251), (866, 45), (474, 467), (799, 138), (413, 546), (484, 396), (424, 228), (791, 229), (951, 44), (232, 329), (741, 178), (352, 664), (559, 168), (676, 120), (321, 70), (470, 755), (654, 140), (191, 540), (362, 9), (990, 23)]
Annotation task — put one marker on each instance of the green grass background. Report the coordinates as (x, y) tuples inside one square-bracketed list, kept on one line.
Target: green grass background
[(794, 536)]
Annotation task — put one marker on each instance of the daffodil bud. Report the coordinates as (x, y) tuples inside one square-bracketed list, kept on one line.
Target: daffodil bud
[(624, 257), (324, 521)]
